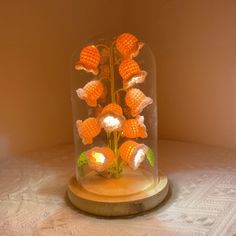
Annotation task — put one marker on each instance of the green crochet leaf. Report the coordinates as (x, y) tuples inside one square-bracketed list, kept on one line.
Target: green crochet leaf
[(150, 157), (81, 162)]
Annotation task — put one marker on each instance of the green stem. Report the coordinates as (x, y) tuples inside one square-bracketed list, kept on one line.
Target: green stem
[(116, 153), (111, 61), (113, 99), (109, 139)]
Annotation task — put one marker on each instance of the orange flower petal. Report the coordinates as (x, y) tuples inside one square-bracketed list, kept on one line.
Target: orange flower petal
[(91, 92), (89, 60), (131, 74), (111, 117), (112, 108), (136, 100), (88, 129), (100, 158), (134, 128), (128, 45), (133, 153)]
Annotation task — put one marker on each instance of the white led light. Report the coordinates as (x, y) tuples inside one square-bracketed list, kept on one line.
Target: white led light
[(99, 157), (111, 123), (139, 157)]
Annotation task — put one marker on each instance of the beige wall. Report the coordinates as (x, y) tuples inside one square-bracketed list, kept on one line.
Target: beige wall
[(194, 42), (195, 45), (37, 41)]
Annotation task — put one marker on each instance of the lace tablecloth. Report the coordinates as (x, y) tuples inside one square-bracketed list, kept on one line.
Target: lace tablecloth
[(202, 200)]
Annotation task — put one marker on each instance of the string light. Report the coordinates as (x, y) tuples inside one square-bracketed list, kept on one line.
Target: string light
[(111, 117), (100, 158)]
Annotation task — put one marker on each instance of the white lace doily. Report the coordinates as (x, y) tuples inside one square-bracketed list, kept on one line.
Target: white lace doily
[(202, 199)]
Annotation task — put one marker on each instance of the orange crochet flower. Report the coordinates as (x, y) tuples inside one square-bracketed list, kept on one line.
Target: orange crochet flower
[(100, 158), (131, 74), (128, 45), (91, 92), (112, 108), (136, 100), (88, 129), (134, 128), (111, 117), (89, 60), (133, 153)]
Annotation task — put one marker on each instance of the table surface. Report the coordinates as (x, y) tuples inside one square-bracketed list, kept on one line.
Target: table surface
[(202, 199)]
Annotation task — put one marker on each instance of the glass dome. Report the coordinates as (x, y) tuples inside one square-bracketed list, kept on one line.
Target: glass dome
[(113, 92)]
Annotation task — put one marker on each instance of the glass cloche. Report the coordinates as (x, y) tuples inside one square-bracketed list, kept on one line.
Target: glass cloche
[(113, 92)]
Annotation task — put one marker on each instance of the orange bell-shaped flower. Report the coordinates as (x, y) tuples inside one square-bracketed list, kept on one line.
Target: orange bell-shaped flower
[(89, 60), (91, 92), (111, 117), (100, 158), (136, 100), (128, 45), (88, 129), (112, 108), (134, 128), (131, 74), (133, 153)]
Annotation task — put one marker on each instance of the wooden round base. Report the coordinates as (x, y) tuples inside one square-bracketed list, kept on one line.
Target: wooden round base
[(131, 182), (117, 205)]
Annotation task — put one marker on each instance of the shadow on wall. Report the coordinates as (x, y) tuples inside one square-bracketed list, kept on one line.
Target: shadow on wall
[(37, 42), (194, 43)]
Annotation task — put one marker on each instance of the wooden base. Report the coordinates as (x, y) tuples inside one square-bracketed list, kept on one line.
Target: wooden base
[(120, 205), (131, 182)]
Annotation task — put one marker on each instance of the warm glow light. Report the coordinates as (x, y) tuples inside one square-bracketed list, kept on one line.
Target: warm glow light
[(99, 157), (116, 102), (111, 117), (138, 158), (133, 153), (111, 123)]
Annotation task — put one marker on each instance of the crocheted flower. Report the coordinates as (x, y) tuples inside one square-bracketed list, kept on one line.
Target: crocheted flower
[(128, 45), (136, 100), (111, 117), (133, 153), (131, 74), (91, 92), (89, 60), (100, 158), (134, 128), (88, 129)]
